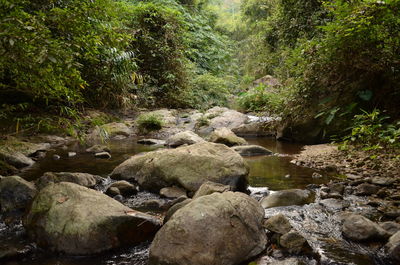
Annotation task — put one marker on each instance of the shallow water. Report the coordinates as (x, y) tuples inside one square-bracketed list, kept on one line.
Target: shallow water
[(317, 223)]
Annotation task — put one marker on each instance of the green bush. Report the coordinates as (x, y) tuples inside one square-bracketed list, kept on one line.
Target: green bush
[(149, 122), (371, 130), (260, 99), (208, 90)]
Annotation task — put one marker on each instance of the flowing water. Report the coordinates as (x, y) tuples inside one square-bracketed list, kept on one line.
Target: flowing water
[(319, 224)]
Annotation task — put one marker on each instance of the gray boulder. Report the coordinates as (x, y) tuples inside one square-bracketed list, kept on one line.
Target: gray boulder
[(186, 167), (217, 229), (223, 117), (360, 228), (227, 137), (15, 193), (186, 137), (71, 219), (83, 179), (251, 150), (287, 198)]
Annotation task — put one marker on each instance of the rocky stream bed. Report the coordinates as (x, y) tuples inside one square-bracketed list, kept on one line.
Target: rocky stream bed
[(190, 193)]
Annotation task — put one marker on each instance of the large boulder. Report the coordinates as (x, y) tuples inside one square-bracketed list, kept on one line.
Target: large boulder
[(71, 219), (287, 198), (187, 167), (217, 229), (186, 137), (223, 117), (109, 130), (393, 246), (83, 179), (360, 228), (15, 193), (227, 137)]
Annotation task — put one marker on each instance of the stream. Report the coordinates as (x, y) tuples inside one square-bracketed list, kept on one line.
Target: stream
[(318, 222)]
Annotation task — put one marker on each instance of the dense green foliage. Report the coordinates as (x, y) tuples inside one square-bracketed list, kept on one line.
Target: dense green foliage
[(62, 56), (149, 122), (334, 58)]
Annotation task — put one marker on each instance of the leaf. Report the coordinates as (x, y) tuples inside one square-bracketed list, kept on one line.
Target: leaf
[(52, 59)]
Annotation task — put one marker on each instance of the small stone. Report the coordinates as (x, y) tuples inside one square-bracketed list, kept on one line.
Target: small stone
[(98, 149), (122, 187), (278, 224), (366, 189), (316, 175), (71, 154), (172, 192), (353, 177), (104, 155), (293, 241), (56, 157), (210, 187), (391, 227), (151, 142), (382, 181)]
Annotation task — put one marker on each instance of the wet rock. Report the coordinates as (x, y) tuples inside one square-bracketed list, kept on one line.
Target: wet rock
[(121, 187), (97, 149), (188, 167), (104, 155), (336, 188), (186, 137), (227, 137), (16, 159), (382, 181), (75, 220), (293, 241), (366, 189), (172, 192), (251, 150), (360, 228), (155, 204), (209, 187), (151, 142), (56, 157), (231, 223), (287, 198), (393, 246), (71, 154), (353, 177), (175, 208), (83, 179), (15, 193), (390, 227), (278, 224)]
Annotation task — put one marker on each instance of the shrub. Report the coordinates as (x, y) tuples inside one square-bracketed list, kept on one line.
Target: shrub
[(149, 122), (260, 99)]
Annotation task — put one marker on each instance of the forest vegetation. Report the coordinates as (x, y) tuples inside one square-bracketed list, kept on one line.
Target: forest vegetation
[(337, 62)]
